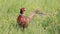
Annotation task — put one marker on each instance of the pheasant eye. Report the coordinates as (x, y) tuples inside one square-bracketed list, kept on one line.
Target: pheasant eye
[(23, 9)]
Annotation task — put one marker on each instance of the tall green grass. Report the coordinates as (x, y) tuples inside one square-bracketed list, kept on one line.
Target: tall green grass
[(9, 11)]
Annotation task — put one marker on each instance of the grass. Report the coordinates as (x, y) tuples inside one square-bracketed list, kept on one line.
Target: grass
[(48, 24)]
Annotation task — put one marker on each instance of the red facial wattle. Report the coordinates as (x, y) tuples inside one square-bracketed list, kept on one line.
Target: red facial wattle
[(22, 10)]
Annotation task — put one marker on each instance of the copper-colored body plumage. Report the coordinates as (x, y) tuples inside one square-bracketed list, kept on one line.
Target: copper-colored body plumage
[(22, 21)]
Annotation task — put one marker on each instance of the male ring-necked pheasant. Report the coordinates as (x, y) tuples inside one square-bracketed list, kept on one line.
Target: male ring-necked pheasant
[(22, 20)]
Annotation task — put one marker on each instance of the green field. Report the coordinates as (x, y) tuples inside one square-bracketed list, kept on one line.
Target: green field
[(48, 24)]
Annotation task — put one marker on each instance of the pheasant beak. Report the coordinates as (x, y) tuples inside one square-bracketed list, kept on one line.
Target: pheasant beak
[(24, 9)]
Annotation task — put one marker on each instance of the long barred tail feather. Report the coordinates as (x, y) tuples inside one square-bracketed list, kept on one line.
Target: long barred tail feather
[(32, 14)]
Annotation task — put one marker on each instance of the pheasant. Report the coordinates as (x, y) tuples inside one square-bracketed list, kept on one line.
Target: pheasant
[(22, 20)]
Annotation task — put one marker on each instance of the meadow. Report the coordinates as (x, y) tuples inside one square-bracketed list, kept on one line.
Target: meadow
[(48, 24)]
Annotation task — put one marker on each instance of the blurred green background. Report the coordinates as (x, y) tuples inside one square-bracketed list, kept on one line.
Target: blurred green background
[(48, 24)]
